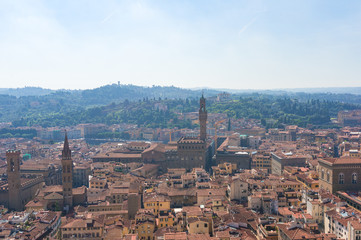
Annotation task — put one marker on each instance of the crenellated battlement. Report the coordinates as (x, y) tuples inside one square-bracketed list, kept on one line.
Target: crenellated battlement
[(12, 152)]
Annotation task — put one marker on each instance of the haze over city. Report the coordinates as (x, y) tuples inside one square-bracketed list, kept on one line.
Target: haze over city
[(180, 120), (189, 44)]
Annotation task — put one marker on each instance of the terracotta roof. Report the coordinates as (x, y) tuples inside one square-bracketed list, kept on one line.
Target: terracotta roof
[(341, 160), (152, 197), (192, 211), (79, 190), (284, 211), (81, 223), (130, 237), (295, 233), (175, 236), (211, 192), (53, 196), (138, 144), (35, 203), (223, 234), (54, 188), (356, 224), (118, 155), (199, 237), (119, 191), (158, 147)]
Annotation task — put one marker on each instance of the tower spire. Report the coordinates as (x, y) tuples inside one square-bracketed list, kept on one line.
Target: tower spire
[(66, 153)]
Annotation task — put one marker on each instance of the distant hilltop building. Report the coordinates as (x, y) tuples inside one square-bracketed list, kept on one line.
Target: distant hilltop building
[(223, 97), (349, 118), (57, 134), (89, 130)]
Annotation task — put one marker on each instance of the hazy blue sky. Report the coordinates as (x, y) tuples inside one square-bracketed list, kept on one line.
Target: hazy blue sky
[(218, 44)]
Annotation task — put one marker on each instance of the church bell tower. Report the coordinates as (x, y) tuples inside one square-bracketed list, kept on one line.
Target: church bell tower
[(14, 184), (67, 174), (203, 118)]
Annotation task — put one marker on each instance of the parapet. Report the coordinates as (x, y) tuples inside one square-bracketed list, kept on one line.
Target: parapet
[(12, 152)]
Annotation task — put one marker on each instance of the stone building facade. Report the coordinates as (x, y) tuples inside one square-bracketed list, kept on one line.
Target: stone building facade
[(81, 176), (340, 174), (280, 160), (242, 159), (191, 153)]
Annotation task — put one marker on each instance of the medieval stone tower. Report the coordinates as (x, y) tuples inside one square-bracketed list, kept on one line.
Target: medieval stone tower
[(67, 167), (203, 118), (14, 184)]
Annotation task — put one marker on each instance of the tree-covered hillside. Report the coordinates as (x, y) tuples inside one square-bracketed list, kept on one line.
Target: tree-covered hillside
[(154, 113), (61, 102), (273, 111), (160, 106)]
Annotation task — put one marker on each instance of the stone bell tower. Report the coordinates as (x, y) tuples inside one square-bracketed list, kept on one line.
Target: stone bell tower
[(14, 184), (67, 174)]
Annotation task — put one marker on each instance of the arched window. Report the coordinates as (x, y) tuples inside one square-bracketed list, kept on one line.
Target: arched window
[(354, 178), (328, 176), (341, 178)]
